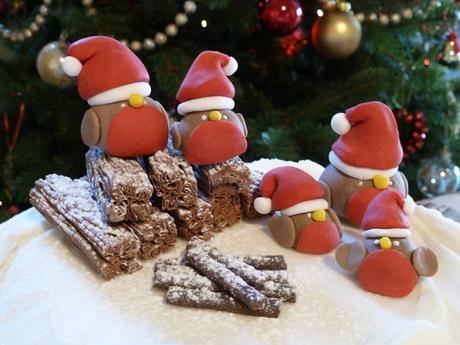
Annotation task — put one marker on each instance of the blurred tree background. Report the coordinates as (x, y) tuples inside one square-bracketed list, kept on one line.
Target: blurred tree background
[(300, 62)]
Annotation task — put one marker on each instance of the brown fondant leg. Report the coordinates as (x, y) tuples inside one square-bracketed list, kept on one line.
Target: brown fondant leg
[(424, 261), (283, 230)]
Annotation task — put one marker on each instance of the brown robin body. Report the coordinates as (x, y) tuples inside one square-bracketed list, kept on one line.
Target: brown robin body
[(208, 137), (316, 232), (124, 130), (387, 266), (350, 196)]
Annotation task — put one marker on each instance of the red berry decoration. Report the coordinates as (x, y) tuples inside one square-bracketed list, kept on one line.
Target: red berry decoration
[(280, 17), (412, 130), (292, 44)]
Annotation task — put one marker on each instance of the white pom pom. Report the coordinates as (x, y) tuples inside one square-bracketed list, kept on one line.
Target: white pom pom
[(71, 66), (263, 205), (340, 124), (231, 66), (409, 205)]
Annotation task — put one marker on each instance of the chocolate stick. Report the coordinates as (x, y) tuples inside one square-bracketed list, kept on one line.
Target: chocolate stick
[(121, 186), (254, 277), (170, 269), (204, 298), (221, 275), (266, 262), (169, 274)]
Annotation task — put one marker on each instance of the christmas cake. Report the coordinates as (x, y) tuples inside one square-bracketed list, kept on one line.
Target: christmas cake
[(139, 195)]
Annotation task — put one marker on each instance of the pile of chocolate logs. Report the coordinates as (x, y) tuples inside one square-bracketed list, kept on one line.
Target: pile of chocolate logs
[(124, 210), (208, 278)]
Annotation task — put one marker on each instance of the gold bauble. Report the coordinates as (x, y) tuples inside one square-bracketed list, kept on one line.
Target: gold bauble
[(336, 34), (49, 65)]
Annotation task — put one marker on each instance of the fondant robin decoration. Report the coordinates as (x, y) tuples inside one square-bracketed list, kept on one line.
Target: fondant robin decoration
[(387, 262), (305, 221), (364, 160), (122, 120), (210, 131)]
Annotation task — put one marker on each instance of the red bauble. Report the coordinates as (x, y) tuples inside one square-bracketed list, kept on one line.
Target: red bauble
[(280, 17), (292, 44), (13, 209), (2, 8)]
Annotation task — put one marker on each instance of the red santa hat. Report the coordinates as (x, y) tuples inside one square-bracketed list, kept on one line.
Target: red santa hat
[(291, 191), (206, 86), (107, 70), (386, 215), (369, 144)]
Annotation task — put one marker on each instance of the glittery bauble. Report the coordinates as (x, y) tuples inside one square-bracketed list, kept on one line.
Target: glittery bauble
[(49, 65), (450, 53), (280, 17), (438, 175), (336, 34)]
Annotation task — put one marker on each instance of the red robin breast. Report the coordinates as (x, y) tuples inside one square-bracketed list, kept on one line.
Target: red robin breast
[(318, 238), (387, 272), (215, 141), (137, 131)]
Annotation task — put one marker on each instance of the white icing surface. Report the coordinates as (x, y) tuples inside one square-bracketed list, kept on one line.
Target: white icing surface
[(48, 295)]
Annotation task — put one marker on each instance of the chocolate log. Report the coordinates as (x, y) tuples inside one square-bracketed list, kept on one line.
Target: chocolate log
[(121, 186), (157, 234), (225, 206), (204, 298), (195, 221), (173, 180), (221, 275), (71, 206), (248, 194), (232, 172)]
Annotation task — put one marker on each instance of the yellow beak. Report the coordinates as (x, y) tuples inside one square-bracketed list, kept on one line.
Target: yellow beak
[(136, 100), (385, 243), (381, 181), (215, 115), (319, 215)]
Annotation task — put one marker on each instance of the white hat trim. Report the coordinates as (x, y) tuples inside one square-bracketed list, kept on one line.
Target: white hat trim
[(357, 172), (205, 103), (390, 232), (340, 123), (71, 66), (306, 206), (231, 66), (120, 93)]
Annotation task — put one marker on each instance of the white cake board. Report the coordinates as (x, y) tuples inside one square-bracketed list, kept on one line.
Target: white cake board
[(49, 295)]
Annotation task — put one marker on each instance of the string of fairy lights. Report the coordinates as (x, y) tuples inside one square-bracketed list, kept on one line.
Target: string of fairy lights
[(36, 21)]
